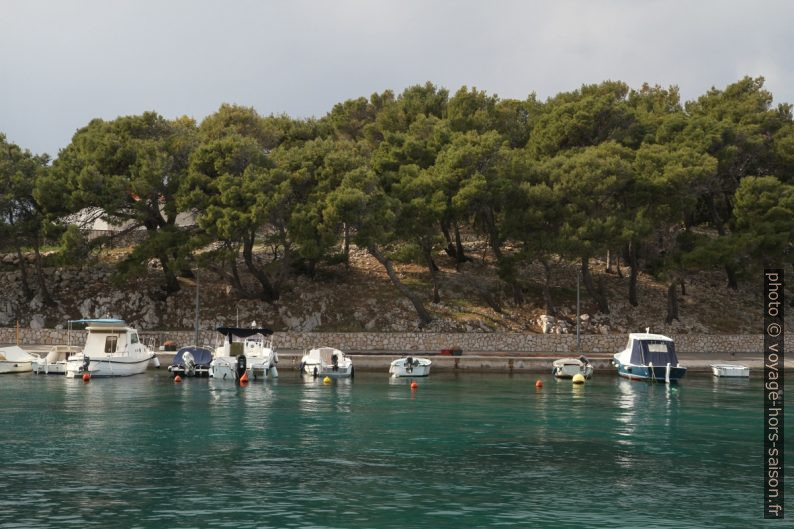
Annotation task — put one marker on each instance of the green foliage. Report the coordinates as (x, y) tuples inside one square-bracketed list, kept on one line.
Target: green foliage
[(702, 184)]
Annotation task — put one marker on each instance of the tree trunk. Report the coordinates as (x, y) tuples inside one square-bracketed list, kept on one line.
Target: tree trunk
[(730, 271), (450, 249), (45, 293), (171, 284), (23, 273), (617, 266), (460, 257), (672, 303), (346, 246), (234, 280), (424, 316), (269, 294), (608, 269), (596, 293), (426, 251), (683, 288), (547, 300), (633, 263)]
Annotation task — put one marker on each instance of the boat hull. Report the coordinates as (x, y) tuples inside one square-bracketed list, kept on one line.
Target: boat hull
[(418, 367), (50, 368), (110, 366), (570, 370), (15, 367), (651, 373), (317, 370), (730, 371), (225, 368)]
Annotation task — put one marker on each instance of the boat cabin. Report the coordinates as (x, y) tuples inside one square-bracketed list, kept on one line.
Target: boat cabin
[(108, 336), (651, 349), (241, 341)]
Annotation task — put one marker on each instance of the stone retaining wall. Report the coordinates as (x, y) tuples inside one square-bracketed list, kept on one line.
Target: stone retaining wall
[(424, 342)]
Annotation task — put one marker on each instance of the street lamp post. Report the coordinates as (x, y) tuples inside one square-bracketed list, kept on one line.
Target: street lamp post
[(578, 338), (197, 308)]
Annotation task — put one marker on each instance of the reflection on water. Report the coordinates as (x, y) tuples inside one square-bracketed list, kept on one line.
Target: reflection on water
[(460, 451)]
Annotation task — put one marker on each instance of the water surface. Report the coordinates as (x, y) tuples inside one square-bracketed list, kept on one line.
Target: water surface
[(461, 451)]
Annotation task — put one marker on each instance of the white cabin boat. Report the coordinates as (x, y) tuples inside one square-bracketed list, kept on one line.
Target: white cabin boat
[(649, 357), (326, 362), (55, 361), (14, 359), (730, 370), (409, 366), (568, 367), (112, 349), (244, 351)]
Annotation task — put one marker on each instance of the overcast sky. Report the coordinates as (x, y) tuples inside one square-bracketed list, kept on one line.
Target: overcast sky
[(64, 62)]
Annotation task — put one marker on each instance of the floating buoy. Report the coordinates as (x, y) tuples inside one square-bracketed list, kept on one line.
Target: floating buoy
[(539, 384), (177, 379), (327, 380), (244, 378), (578, 378), (414, 385), (86, 377)]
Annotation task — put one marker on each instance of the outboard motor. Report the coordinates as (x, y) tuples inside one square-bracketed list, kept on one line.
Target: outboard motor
[(86, 363), (189, 363), (335, 362), (409, 364), (241, 366)]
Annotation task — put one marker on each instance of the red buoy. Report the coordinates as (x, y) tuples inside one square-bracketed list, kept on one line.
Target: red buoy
[(86, 376), (177, 379), (244, 378), (539, 384), (414, 385)]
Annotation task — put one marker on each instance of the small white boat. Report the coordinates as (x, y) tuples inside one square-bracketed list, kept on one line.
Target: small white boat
[(409, 366), (326, 362), (14, 359), (730, 370), (55, 361), (568, 367), (649, 357), (244, 351), (112, 349)]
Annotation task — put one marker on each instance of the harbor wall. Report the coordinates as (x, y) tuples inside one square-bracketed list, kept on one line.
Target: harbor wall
[(472, 342)]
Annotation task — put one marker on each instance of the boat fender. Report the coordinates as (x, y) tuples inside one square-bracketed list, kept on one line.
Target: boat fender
[(241, 366)]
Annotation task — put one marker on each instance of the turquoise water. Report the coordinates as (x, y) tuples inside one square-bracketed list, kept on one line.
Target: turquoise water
[(461, 451)]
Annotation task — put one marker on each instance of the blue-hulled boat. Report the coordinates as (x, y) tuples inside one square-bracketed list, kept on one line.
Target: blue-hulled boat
[(649, 357)]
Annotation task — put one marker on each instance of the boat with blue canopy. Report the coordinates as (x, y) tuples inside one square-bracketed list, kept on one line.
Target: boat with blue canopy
[(650, 357), (191, 361)]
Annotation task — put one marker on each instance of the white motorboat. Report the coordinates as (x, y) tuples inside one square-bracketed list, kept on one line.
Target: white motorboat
[(112, 349), (409, 366), (244, 351), (649, 357), (326, 362), (14, 359), (730, 370), (55, 361), (568, 367)]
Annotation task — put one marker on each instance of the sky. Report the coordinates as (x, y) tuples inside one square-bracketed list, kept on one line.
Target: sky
[(65, 62)]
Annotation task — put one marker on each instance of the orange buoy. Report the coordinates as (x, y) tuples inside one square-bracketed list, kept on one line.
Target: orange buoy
[(414, 385), (539, 384), (177, 379), (86, 376), (244, 378)]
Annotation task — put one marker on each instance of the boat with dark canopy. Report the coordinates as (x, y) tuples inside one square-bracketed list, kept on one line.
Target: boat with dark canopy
[(244, 351), (649, 357), (191, 361)]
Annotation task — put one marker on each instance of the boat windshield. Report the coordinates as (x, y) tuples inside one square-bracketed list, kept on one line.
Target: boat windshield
[(656, 352)]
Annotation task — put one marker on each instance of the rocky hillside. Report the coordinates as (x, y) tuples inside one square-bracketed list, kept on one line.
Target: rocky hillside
[(361, 298)]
